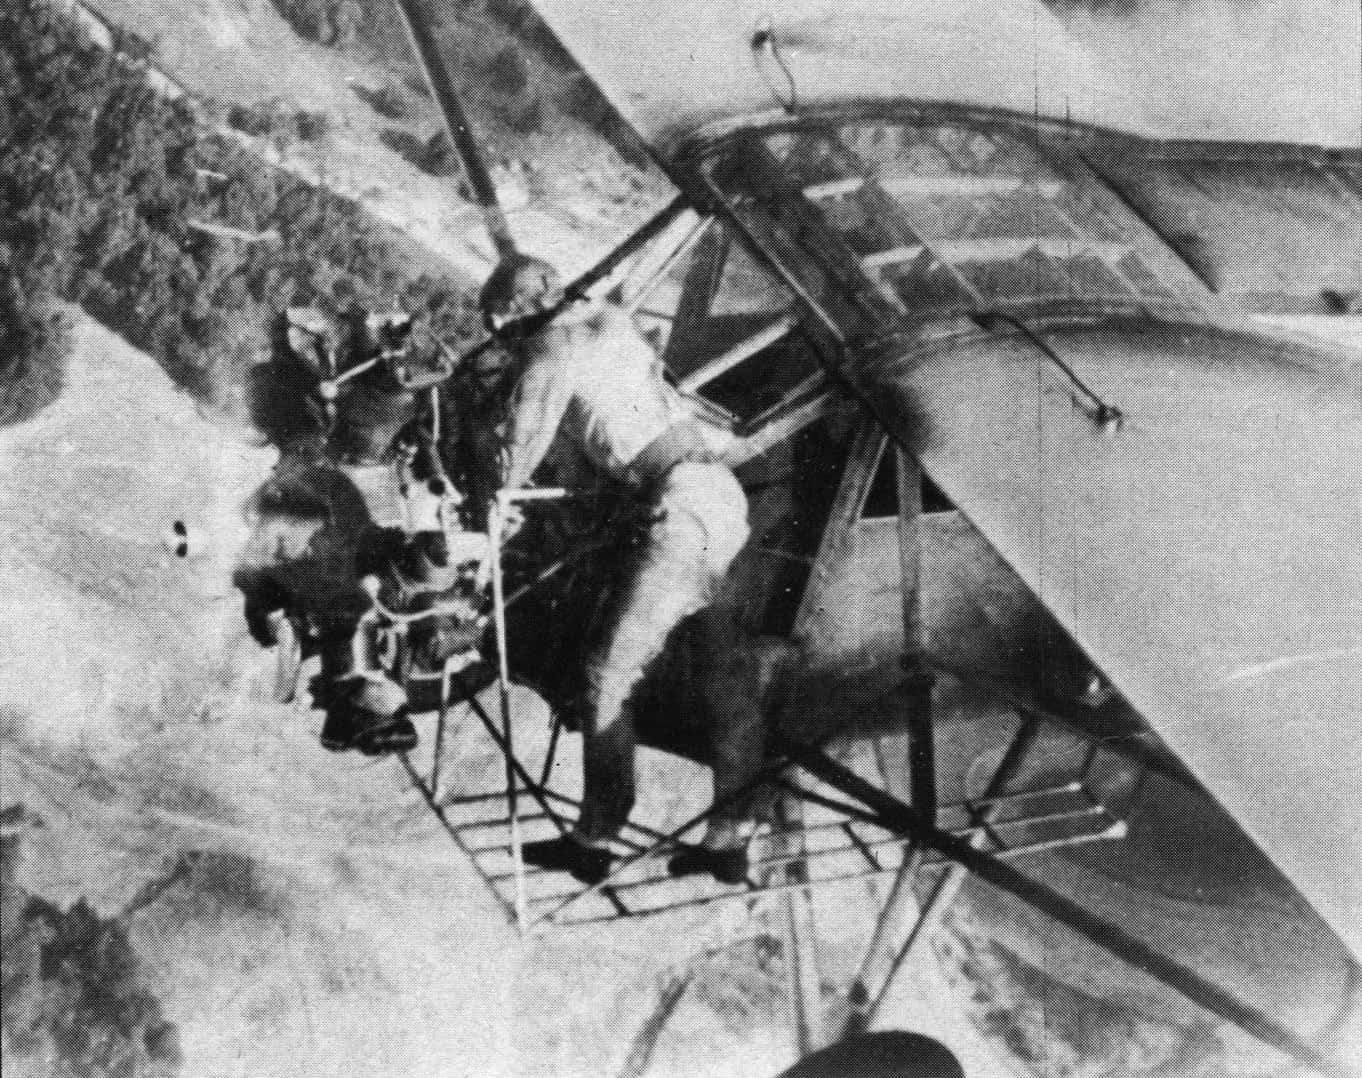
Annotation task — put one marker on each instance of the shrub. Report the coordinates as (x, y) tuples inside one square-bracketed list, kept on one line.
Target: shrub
[(102, 185), (438, 156), (274, 119), (434, 156), (34, 346), (312, 125), (506, 72), (526, 117), (416, 83), (388, 101), (328, 22), (252, 120), (74, 1000)]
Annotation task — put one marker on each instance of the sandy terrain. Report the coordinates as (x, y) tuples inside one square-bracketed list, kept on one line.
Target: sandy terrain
[(134, 725)]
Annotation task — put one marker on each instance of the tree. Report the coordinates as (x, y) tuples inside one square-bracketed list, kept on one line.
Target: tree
[(99, 179), (34, 346)]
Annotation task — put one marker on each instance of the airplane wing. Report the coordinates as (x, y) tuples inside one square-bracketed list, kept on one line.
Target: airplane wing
[(669, 65), (1207, 554)]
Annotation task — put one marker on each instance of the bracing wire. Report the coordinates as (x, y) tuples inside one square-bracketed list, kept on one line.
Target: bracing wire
[(764, 44)]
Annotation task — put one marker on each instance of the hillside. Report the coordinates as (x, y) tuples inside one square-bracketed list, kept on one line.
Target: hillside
[(311, 909), (307, 906), (133, 725), (567, 192)]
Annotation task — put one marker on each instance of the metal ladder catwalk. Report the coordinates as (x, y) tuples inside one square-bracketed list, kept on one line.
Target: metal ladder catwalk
[(840, 840)]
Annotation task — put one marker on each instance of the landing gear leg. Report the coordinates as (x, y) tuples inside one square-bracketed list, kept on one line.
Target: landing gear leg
[(885, 955), (800, 942), (918, 680)]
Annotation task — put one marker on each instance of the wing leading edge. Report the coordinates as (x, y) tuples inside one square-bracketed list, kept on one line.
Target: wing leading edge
[(669, 66), (1207, 554)]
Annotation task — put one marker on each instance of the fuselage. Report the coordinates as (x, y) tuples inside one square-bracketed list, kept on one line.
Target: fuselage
[(1120, 456)]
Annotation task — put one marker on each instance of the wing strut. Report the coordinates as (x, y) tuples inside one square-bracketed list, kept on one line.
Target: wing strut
[(456, 123), (895, 815)]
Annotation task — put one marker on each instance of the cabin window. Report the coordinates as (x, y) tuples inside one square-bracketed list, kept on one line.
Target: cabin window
[(1279, 236), (727, 329), (882, 498), (917, 220)]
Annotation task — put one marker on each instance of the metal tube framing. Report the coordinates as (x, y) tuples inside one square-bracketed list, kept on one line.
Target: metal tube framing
[(607, 266), (851, 1014), (769, 771), (948, 887), (688, 241), (441, 716), (504, 698), (918, 678)]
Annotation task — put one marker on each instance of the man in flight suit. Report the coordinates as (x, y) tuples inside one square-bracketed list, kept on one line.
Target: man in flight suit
[(588, 378)]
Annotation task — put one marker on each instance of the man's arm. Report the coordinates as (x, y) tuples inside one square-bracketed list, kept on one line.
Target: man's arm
[(538, 404)]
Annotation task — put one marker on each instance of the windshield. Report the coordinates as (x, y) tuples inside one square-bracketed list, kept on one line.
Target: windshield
[(881, 222)]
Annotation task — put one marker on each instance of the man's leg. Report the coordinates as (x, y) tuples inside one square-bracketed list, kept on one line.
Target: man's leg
[(711, 500), (701, 526), (737, 699), (741, 669), (662, 591), (658, 593)]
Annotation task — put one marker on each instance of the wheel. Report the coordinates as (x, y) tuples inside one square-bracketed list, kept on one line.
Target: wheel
[(890, 1054)]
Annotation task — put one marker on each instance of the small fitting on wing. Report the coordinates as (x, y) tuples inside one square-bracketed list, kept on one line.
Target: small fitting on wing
[(765, 53), (1108, 418)]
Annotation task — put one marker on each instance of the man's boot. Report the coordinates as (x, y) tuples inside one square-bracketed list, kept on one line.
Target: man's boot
[(587, 864), (725, 865), (365, 709)]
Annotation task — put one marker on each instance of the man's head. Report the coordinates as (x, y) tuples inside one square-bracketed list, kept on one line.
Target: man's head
[(519, 288)]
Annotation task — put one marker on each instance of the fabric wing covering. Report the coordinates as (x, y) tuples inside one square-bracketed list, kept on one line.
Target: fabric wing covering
[(1207, 554), (1279, 71)]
